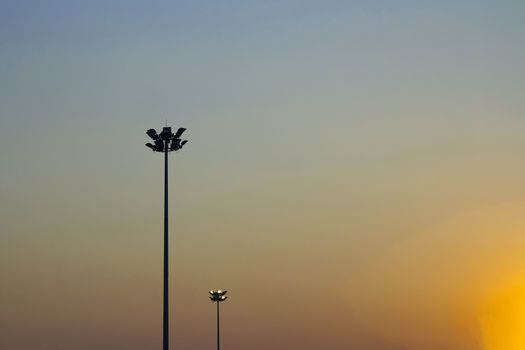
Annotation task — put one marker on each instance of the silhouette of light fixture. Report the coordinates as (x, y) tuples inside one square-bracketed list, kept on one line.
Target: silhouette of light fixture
[(153, 134), (217, 297), (179, 132), (165, 142)]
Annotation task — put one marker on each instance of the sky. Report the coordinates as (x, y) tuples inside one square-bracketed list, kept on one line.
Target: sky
[(353, 176)]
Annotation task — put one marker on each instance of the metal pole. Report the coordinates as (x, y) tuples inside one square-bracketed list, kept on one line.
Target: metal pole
[(166, 329), (218, 330), (162, 143)]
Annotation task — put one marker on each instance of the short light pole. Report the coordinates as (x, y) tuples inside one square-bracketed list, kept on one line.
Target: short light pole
[(217, 297), (165, 142)]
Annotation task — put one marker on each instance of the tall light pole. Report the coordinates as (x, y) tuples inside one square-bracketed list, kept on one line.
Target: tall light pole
[(166, 142), (217, 297)]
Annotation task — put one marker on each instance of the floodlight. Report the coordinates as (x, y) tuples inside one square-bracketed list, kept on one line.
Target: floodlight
[(166, 133), (159, 145), (152, 133), (179, 132), (175, 144), (150, 146)]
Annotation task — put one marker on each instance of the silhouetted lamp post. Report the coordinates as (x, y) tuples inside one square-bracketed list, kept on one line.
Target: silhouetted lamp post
[(217, 297), (165, 142)]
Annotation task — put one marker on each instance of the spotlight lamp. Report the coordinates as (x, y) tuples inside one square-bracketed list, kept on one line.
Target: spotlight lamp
[(179, 133), (153, 134)]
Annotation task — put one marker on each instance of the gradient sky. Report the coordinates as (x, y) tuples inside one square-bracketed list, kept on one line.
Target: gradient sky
[(354, 176)]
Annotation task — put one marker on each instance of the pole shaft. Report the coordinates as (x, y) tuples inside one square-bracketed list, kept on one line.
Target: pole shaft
[(165, 323), (218, 330)]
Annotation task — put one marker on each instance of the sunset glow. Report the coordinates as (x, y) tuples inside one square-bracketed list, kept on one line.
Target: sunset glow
[(504, 321)]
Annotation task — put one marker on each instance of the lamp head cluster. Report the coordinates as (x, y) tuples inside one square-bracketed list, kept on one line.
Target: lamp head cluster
[(166, 141), (218, 296)]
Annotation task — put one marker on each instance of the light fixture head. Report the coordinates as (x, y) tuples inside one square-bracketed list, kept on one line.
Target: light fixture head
[(166, 133), (166, 141), (218, 296), (153, 134), (175, 145), (179, 132), (159, 145)]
